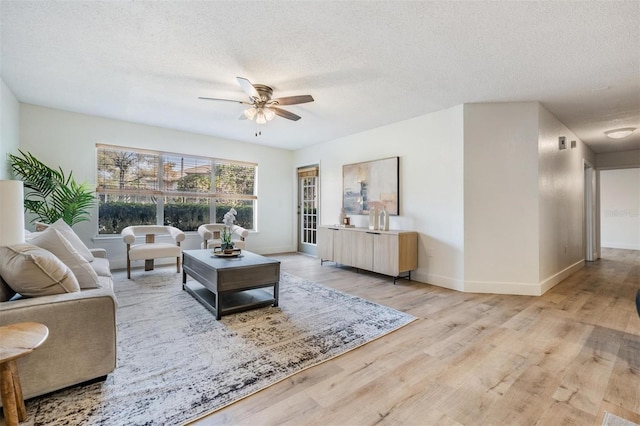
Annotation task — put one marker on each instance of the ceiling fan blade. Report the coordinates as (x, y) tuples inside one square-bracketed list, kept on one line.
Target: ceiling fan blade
[(225, 100), (248, 88), (286, 114), (293, 100)]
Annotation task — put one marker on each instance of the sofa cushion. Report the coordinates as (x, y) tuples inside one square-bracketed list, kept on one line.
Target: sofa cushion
[(71, 236), (154, 251), (101, 266), (53, 240), (6, 292), (106, 282), (33, 271)]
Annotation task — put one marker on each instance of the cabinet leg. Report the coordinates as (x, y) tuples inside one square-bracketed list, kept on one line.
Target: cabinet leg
[(406, 277)]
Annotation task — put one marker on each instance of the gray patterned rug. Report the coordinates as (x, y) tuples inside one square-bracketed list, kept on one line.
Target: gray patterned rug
[(613, 420), (176, 362)]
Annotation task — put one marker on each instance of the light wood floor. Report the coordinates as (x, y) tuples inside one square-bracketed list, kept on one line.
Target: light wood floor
[(471, 359)]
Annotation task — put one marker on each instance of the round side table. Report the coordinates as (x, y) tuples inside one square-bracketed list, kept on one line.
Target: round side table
[(16, 340)]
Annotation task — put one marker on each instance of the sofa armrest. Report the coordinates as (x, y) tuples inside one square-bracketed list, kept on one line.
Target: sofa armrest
[(205, 232), (240, 232), (98, 252), (177, 235), (82, 338)]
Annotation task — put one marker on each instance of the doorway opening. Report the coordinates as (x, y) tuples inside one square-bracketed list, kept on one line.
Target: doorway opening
[(591, 246)]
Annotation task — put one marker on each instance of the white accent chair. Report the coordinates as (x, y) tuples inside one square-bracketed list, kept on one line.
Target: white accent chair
[(210, 234), (150, 250)]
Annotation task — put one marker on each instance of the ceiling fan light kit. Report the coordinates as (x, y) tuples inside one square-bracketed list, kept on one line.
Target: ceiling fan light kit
[(620, 133), (262, 107), (250, 113), (260, 117)]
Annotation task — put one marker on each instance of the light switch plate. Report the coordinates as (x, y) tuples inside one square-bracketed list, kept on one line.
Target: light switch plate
[(562, 142)]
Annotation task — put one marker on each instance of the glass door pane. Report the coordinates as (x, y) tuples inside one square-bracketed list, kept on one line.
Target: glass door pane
[(308, 213)]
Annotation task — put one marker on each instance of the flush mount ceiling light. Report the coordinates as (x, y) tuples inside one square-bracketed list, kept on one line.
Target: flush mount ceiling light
[(620, 133)]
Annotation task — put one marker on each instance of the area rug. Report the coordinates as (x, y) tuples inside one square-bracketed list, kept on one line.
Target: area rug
[(176, 362), (613, 420)]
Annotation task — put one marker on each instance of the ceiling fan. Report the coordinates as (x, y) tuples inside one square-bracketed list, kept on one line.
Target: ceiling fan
[(262, 107)]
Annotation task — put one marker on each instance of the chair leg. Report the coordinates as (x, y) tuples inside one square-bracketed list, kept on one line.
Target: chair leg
[(178, 259), (128, 263), (149, 265)]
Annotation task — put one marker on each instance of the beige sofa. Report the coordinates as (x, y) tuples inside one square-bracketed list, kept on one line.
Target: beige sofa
[(82, 333)]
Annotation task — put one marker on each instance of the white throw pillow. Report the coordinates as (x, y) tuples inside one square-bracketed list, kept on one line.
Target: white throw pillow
[(53, 240), (33, 271), (40, 226), (71, 236)]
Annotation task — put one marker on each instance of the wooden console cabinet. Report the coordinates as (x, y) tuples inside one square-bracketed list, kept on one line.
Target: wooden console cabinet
[(385, 252)]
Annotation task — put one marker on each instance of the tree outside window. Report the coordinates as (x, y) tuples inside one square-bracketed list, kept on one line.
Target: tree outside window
[(142, 187)]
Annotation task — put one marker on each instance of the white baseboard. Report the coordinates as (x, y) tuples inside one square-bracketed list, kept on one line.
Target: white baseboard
[(620, 246), (438, 280), (521, 289), (550, 282), (515, 288)]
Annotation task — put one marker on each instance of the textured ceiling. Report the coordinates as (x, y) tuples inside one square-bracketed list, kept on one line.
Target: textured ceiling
[(367, 64)]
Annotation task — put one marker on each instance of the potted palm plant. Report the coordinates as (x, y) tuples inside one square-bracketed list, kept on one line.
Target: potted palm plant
[(50, 194)]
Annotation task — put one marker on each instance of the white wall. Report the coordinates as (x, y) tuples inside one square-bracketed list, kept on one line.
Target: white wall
[(561, 200), (616, 160), (9, 128), (472, 166), (620, 208), (430, 148), (68, 140), (493, 200), (501, 197)]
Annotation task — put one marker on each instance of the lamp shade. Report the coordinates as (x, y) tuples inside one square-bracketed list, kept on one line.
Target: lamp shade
[(11, 212), (260, 117), (250, 113), (269, 114)]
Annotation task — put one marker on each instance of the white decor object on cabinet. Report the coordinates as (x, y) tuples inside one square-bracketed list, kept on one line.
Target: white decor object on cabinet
[(384, 219), (373, 219)]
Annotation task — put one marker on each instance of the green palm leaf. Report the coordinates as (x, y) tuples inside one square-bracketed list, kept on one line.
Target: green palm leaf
[(50, 194)]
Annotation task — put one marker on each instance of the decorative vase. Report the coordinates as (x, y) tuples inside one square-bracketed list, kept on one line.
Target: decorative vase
[(373, 219), (384, 219)]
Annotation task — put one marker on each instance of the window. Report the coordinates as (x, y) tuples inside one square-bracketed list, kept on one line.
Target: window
[(137, 187)]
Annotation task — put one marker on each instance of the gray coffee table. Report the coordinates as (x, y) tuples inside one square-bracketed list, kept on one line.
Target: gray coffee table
[(226, 285)]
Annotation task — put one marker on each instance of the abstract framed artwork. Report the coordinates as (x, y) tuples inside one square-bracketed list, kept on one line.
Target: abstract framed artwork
[(371, 184)]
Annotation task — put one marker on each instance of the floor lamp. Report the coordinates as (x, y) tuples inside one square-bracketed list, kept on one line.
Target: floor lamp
[(11, 212)]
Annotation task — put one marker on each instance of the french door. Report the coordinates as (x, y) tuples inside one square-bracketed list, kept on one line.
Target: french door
[(308, 209)]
